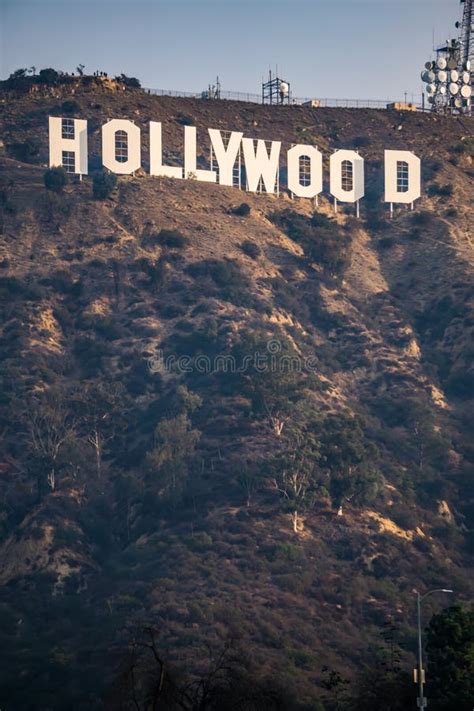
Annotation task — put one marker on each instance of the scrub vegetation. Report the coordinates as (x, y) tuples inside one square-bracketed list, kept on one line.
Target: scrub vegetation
[(234, 440)]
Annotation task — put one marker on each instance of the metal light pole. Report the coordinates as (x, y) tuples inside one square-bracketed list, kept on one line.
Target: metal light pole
[(421, 701)]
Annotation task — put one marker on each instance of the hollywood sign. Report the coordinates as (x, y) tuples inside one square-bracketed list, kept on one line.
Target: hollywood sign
[(121, 154)]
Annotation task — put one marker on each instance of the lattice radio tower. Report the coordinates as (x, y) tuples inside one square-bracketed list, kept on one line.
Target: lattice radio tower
[(467, 33)]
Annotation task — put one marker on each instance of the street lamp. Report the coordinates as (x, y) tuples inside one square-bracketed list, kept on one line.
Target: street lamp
[(420, 676)]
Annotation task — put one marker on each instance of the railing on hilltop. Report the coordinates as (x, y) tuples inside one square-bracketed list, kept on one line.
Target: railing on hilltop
[(257, 99)]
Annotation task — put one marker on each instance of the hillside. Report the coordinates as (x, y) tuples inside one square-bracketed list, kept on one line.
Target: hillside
[(133, 495)]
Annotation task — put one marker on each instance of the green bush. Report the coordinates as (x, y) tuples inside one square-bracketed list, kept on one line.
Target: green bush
[(183, 119), (322, 239), (451, 212), (422, 218), (55, 179), (376, 222), (439, 313), (103, 184), (430, 167), (109, 328), (288, 297), (361, 142), (171, 238), (70, 107), (49, 76), (243, 210), (441, 190), (233, 284), (404, 516), (466, 146), (132, 82), (27, 152), (460, 384), (251, 249), (63, 282), (386, 242)]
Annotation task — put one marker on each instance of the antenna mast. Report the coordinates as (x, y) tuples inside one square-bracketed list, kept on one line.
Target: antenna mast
[(467, 32), (275, 90)]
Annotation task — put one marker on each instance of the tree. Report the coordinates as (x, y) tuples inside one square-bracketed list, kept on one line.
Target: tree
[(99, 407), (359, 484), (227, 681), (55, 179), (168, 462), (298, 475), (384, 685), (249, 479), (80, 69), (50, 427), (129, 81), (337, 687), (128, 491), (450, 650), (426, 444), (103, 185), (185, 400), (349, 459), (419, 421), (379, 689), (272, 376), (18, 74), (49, 76)]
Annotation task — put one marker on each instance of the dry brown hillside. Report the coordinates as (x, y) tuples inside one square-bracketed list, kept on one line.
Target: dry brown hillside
[(178, 519)]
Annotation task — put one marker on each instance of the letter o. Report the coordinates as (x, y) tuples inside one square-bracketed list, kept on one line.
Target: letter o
[(316, 171)]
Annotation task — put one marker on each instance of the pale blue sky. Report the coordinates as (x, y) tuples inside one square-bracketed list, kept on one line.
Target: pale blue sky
[(367, 49)]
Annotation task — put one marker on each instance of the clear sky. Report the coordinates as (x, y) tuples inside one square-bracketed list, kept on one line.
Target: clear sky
[(366, 49)]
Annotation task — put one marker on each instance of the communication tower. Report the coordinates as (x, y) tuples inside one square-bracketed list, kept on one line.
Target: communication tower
[(275, 90), (467, 32), (449, 78), (213, 91)]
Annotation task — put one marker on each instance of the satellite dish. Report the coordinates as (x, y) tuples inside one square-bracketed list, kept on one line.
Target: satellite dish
[(442, 76), (428, 77), (466, 77), (431, 88), (429, 65), (441, 63), (284, 87), (452, 63), (454, 75), (466, 91), (453, 89), (442, 90)]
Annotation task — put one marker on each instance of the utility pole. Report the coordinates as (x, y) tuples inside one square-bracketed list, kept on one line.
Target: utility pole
[(421, 672), (420, 679)]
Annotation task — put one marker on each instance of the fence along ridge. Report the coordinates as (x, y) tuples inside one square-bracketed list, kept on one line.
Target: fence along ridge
[(296, 101)]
